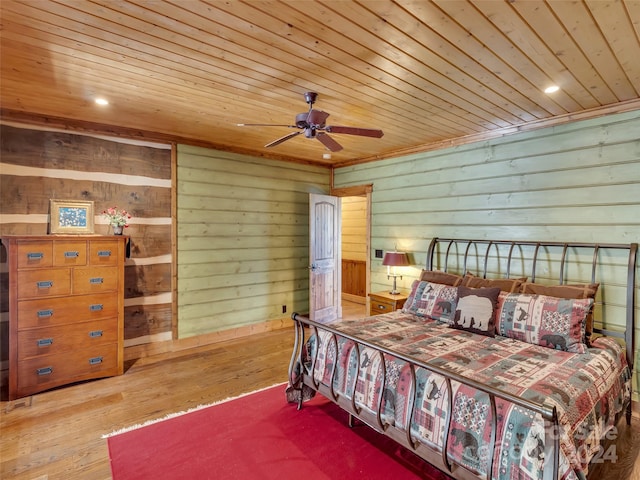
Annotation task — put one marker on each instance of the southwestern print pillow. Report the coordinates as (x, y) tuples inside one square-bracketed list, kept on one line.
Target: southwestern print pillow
[(409, 301), (475, 311), (586, 290), (552, 322), (433, 300)]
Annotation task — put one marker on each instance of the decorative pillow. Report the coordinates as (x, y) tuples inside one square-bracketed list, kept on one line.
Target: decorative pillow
[(551, 322), (475, 311), (436, 276), (505, 284), (409, 301), (586, 290), (433, 300)]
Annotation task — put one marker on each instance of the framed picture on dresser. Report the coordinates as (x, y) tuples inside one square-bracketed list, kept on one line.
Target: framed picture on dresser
[(71, 216)]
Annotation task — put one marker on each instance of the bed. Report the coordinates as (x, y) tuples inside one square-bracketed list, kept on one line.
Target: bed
[(510, 359)]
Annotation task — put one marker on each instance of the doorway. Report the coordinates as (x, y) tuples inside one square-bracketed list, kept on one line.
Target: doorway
[(355, 249)]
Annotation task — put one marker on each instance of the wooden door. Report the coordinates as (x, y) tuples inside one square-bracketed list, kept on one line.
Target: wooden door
[(324, 258)]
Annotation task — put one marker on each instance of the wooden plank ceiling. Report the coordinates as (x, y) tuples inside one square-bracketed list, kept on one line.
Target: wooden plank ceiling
[(428, 73)]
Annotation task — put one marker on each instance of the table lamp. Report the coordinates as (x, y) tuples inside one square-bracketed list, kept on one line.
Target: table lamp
[(395, 259)]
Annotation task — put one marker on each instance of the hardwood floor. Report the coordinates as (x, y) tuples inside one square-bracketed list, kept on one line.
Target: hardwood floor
[(57, 434)]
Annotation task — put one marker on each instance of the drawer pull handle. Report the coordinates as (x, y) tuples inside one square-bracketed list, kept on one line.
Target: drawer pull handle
[(95, 360), (45, 342), (104, 253), (96, 307), (44, 371), (45, 313), (45, 284), (95, 333), (35, 255), (382, 307), (96, 280), (71, 254)]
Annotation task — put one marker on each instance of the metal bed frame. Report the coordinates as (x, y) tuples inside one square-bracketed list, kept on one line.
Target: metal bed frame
[(547, 411)]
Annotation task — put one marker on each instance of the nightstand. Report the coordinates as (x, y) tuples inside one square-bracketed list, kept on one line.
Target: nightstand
[(385, 302)]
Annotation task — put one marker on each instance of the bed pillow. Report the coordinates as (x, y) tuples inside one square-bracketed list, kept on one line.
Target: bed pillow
[(551, 322), (583, 290), (586, 290), (505, 284), (436, 276), (475, 311), (433, 300), (409, 301)]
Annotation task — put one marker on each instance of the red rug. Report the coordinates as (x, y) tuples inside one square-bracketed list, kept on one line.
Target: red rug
[(261, 436)]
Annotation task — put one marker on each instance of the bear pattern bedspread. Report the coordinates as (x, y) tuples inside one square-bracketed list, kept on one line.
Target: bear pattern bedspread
[(588, 389)]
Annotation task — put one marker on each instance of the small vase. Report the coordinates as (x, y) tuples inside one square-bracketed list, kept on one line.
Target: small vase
[(117, 229)]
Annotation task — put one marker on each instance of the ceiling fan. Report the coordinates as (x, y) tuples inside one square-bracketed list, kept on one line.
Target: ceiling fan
[(312, 125)]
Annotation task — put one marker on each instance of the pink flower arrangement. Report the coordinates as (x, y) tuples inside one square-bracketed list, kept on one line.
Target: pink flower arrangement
[(117, 218)]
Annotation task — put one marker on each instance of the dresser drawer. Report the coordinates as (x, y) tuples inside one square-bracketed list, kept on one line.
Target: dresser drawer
[(103, 252), (44, 372), (69, 253), (44, 283), (66, 338), (35, 254), (95, 279), (378, 307), (59, 311)]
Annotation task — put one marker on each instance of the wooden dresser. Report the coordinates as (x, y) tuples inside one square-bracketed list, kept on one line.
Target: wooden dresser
[(66, 310)]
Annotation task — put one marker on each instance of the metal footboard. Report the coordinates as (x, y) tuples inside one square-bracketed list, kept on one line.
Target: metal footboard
[(298, 377)]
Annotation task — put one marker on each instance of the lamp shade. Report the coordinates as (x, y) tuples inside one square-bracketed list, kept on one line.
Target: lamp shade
[(395, 259)]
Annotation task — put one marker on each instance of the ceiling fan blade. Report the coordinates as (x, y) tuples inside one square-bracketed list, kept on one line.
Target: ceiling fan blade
[(363, 132), (263, 125), (282, 139), (328, 142), (317, 117)]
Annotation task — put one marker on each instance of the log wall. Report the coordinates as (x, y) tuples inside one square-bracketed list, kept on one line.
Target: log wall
[(38, 165)]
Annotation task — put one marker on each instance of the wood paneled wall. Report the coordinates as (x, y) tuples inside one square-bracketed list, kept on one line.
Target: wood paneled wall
[(354, 248), (354, 228), (575, 182), (354, 279), (242, 239), (37, 165)]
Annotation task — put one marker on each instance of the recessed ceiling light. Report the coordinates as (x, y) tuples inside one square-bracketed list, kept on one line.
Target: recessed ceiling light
[(551, 89), (326, 156), (102, 101)]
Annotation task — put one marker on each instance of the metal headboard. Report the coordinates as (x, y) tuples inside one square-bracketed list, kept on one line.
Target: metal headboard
[(627, 335)]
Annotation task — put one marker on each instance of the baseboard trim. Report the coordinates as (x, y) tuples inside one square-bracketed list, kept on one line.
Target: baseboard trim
[(354, 298), (135, 352)]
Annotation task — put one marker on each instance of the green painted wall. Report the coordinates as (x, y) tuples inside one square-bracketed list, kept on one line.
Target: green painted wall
[(574, 182), (243, 238)]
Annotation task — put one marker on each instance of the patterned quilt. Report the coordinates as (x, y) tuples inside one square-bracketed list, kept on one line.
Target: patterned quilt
[(588, 389)]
